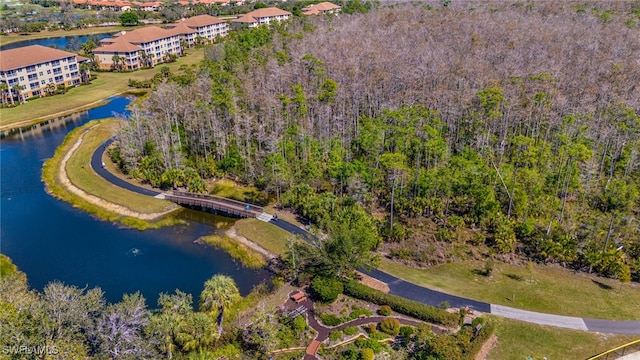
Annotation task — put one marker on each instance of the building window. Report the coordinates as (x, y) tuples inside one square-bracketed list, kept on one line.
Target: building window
[(34, 85), (21, 78), (41, 73), (49, 71), (42, 82)]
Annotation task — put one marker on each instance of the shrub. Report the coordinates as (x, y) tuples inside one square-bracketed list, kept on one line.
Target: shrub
[(326, 290), (385, 310), (350, 354), (401, 305), (390, 326), (330, 319), (299, 324), (370, 328), (482, 336), (367, 354), (356, 312), (335, 335), (405, 331), (477, 321), (350, 330), (369, 344), (444, 305)]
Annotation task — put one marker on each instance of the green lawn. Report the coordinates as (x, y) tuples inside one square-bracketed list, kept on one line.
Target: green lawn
[(518, 340), (552, 290), (248, 257), (264, 234), (105, 85), (232, 190), (82, 175)]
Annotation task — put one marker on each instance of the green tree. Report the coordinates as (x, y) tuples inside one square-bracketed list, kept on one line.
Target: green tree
[(129, 19), (219, 293)]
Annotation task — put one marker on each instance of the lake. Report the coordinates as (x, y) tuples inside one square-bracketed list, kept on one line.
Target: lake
[(50, 240), (69, 43)]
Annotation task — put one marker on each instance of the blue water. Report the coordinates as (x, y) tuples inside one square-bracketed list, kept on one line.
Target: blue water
[(50, 240), (69, 43)]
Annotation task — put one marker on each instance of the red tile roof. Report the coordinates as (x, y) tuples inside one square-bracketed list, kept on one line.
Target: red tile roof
[(180, 29), (144, 35), (266, 12), (118, 46), (30, 55), (199, 21), (245, 19), (319, 8)]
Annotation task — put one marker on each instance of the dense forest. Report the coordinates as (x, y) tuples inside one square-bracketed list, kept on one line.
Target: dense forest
[(504, 129)]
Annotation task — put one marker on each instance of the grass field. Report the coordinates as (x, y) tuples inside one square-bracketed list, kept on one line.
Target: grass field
[(80, 98), (266, 235), (518, 340), (81, 175), (248, 257), (551, 290)]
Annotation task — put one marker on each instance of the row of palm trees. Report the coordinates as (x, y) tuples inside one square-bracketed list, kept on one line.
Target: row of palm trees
[(11, 94)]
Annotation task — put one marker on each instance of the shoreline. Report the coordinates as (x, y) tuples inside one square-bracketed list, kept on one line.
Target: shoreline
[(66, 183), (40, 120)]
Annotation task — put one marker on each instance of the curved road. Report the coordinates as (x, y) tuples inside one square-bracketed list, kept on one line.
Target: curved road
[(418, 293)]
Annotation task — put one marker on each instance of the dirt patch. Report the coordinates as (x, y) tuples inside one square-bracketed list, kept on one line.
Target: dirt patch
[(373, 283), (115, 208), (486, 348)]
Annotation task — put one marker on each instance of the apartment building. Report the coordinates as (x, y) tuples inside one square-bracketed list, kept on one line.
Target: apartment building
[(131, 50), (261, 17), (32, 71), (204, 26), (321, 9)]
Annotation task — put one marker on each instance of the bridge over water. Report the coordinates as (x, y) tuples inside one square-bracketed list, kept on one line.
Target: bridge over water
[(217, 204)]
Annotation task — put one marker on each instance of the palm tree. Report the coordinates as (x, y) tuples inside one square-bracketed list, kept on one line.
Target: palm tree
[(219, 293), (85, 72), (51, 88), (18, 90), (116, 61), (4, 89)]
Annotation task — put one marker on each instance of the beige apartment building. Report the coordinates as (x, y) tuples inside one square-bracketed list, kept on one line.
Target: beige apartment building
[(34, 71), (206, 27), (131, 50), (149, 46), (261, 17)]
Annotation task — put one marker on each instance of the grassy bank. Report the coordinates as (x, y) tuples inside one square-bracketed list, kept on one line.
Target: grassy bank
[(248, 257), (545, 289), (82, 176), (83, 97), (269, 236), (518, 340)]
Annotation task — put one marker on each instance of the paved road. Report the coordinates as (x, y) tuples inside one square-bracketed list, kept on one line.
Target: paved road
[(424, 295), (96, 164), (421, 294)]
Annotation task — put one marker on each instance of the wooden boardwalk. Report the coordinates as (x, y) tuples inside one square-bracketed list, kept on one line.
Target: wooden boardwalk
[(215, 204)]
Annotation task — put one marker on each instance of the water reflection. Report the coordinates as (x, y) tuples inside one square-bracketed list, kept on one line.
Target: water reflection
[(50, 240)]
